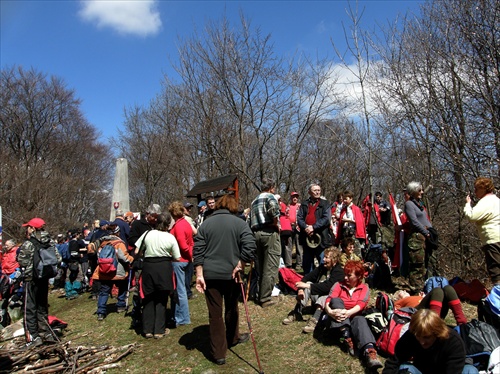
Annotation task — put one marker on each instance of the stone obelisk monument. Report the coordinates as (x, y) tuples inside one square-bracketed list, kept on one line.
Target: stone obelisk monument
[(120, 189)]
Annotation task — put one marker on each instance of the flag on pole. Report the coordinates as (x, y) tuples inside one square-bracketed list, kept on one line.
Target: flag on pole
[(399, 234)]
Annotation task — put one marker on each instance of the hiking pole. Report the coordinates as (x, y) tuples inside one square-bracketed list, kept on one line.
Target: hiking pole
[(249, 323), (248, 280), (51, 330)]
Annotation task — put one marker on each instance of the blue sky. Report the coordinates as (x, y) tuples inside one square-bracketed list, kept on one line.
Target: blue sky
[(115, 53)]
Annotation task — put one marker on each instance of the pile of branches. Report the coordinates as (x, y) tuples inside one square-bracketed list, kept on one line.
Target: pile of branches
[(61, 357)]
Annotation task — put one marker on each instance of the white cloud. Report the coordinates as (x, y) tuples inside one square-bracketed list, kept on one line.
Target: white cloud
[(136, 17), (348, 84)]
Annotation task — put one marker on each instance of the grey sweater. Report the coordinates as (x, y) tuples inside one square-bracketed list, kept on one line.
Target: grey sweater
[(418, 218), (221, 242)]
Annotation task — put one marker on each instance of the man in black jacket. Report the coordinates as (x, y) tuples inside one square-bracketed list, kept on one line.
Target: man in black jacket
[(313, 218), (316, 284)]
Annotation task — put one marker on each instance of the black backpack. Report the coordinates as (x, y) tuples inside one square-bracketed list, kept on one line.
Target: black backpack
[(480, 339), (45, 260)]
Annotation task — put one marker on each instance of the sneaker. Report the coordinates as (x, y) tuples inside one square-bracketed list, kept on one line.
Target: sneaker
[(310, 326), (49, 339), (120, 310), (148, 335), (100, 317), (292, 317), (372, 360), (34, 343), (158, 336), (349, 346)]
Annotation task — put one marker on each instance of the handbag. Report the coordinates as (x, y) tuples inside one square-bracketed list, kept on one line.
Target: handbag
[(139, 260)]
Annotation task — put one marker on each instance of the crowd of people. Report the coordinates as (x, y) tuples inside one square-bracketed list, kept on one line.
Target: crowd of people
[(156, 254)]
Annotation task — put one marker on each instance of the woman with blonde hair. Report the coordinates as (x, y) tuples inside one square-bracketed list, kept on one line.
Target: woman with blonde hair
[(429, 346)]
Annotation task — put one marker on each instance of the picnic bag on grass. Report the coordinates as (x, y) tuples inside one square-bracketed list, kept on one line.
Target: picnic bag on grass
[(397, 325), (107, 259), (480, 339)]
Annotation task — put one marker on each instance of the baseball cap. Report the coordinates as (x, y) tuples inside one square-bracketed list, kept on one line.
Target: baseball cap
[(294, 194), (37, 223), (187, 204), (129, 214), (202, 203)]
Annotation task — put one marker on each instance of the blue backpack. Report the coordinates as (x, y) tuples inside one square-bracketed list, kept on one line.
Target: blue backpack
[(435, 282), (63, 249), (107, 260)]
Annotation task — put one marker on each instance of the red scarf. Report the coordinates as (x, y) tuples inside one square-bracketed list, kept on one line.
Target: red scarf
[(311, 217)]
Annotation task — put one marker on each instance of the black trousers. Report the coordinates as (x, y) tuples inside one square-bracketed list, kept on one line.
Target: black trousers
[(154, 312), (36, 309)]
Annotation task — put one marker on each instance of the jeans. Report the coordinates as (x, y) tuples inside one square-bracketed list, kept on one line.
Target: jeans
[(468, 369), (105, 290), (182, 308)]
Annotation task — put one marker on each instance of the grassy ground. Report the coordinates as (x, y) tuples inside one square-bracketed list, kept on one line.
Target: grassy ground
[(281, 349)]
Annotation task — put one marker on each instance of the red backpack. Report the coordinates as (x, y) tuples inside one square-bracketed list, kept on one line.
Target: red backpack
[(397, 326)]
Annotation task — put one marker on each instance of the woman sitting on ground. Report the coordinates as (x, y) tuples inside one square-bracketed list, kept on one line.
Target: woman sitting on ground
[(439, 300), (431, 346), (344, 306), (348, 245)]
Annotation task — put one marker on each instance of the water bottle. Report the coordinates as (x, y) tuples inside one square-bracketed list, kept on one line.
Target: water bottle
[(389, 312)]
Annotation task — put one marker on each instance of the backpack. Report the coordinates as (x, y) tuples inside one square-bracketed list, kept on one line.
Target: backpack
[(45, 260), (397, 326), (472, 291), (488, 309), (480, 339), (384, 303), (107, 259), (64, 251), (376, 322), (435, 282)]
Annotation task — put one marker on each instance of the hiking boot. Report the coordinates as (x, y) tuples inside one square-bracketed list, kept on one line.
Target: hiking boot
[(220, 361), (100, 317), (310, 326), (34, 343), (372, 361), (349, 346), (266, 304), (292, 317), (242, 339)]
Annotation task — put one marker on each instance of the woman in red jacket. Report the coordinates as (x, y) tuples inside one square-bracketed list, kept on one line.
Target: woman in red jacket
[(183, 233), (344, 306)]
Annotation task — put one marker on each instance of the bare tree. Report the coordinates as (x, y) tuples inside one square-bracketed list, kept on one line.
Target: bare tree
[(52, 163), (437, 87)]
